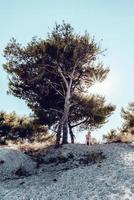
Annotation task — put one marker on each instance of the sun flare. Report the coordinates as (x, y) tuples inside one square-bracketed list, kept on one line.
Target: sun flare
[(105, 88)]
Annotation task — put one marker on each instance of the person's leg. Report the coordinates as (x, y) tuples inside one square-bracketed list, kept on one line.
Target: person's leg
[(87, 142)]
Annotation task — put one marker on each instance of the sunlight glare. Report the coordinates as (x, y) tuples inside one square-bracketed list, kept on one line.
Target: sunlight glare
[(105, 88)]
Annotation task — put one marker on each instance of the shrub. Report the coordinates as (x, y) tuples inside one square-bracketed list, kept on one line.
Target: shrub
[(93, 157), (114, 136)]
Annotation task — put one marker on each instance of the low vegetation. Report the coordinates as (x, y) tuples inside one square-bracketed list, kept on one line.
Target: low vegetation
[(70, 160), (118, 136), (22, 131), (126, 132)]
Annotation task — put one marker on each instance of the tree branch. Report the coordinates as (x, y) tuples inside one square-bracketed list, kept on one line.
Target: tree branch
[(56, 110), (52, 85), (79, 123), (63, 77)]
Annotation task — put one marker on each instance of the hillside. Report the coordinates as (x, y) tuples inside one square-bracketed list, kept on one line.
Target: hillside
[(98, 172)]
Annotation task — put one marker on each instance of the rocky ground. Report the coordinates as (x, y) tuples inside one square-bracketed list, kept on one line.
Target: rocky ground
[(97, 172)]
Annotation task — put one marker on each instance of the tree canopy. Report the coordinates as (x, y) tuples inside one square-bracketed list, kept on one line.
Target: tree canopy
[(54, 74)]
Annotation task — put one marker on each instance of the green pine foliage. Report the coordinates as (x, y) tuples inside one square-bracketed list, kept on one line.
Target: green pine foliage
[(16, 128)]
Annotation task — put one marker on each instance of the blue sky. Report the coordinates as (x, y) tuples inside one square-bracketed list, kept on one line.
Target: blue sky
[(112, 24)]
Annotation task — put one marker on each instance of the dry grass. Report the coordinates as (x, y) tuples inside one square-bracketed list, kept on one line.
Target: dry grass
[(29, 148)]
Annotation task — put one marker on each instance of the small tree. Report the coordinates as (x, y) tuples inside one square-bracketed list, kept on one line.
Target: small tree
[(128, 118), (62, 67), (110, 136)]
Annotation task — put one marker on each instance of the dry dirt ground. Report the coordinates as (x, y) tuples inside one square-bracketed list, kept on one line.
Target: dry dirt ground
[(78, 172)]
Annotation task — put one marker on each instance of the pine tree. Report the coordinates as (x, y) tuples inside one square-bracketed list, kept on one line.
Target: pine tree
[(51, 75)]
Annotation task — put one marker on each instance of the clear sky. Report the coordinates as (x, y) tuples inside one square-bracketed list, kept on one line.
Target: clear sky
[(110, 21)]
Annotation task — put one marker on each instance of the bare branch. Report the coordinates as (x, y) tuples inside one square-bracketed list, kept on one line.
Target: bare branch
[(79, 123), (52, 85), (56, 110)]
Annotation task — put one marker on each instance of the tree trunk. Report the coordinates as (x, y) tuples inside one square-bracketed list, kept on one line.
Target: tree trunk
[(65, 134), (63, 128), (58, 136), (65, 118), (71, 134)]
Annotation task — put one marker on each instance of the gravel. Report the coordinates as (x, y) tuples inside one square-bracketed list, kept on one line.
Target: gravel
[(108, 179)]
